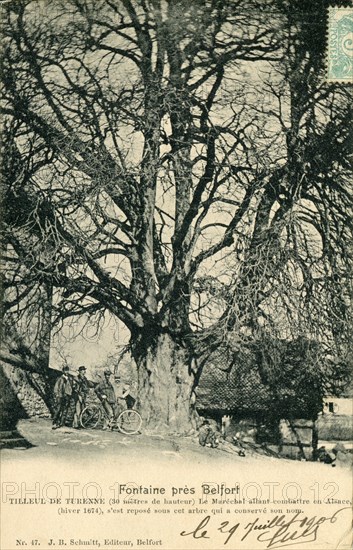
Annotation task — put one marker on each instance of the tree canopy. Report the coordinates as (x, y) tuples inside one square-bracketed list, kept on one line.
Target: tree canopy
[(182, 165)]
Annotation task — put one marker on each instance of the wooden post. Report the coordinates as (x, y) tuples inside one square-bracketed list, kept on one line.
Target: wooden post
[(299, 443), (314, 440)]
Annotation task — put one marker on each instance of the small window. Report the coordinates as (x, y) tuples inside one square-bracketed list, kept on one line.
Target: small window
[(331, 407)]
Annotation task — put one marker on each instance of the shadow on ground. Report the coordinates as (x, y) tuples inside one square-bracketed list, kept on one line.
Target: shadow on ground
[(13, 439)]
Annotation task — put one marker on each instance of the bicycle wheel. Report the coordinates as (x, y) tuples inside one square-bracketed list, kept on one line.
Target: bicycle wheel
[(90, 416), (129, 422)]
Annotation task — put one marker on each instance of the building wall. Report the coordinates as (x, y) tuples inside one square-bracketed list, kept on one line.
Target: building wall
[(243, 429), (338, 405), (335, 423)]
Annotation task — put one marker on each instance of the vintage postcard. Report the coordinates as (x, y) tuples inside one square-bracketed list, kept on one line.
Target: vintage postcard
[(176, 290)]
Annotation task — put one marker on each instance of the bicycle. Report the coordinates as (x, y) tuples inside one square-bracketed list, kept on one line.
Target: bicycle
[(128, 422)]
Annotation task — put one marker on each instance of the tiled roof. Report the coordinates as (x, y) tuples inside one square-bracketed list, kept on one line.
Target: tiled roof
[(240, 388)]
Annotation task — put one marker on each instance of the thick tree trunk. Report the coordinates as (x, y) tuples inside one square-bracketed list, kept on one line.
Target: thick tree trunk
[(165, 384)]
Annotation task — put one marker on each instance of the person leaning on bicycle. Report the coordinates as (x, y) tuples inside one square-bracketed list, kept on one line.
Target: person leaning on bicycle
[(106, 393)]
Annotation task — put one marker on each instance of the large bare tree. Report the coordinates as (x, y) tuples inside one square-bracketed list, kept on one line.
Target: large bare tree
[(184, 167)]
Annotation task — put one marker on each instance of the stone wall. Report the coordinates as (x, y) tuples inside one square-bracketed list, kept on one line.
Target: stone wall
[(335, 427), (303, 432), (25, 394)]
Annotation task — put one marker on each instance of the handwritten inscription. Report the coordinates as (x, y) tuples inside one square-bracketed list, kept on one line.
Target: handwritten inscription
[(281, 530)]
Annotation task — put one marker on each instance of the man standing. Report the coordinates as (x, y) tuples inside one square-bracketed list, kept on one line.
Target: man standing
[(62, 397), (106, 393), (81, 389)]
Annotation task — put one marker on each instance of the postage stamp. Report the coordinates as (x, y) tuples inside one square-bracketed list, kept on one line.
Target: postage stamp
[(340, 45)]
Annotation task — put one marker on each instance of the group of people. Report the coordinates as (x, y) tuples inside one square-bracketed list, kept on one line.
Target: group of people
[(70, 390)]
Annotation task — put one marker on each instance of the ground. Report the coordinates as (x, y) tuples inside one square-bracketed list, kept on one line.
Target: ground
[(69, 463), (69, 443)]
